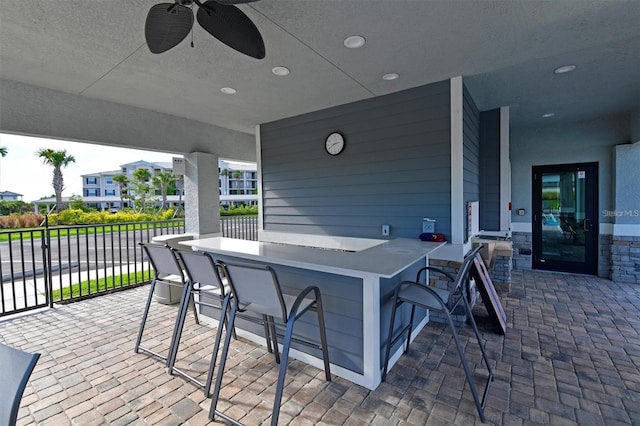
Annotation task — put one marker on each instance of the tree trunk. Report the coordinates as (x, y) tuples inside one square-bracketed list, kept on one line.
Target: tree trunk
[(58, 186)]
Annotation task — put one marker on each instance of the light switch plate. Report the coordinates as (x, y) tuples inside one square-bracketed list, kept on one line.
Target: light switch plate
[(385, 230)]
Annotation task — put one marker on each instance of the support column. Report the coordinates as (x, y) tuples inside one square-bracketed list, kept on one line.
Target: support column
[(202, 198)]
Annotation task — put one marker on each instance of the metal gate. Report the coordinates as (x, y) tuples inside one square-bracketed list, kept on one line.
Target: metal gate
[(65, 263)]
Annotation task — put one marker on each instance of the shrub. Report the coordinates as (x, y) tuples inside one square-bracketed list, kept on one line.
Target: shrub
[(11, 207), (78, 217), (30, 220), (241, 210), (9, 222)]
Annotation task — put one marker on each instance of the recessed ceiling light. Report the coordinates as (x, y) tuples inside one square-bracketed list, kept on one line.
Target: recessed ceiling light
[(390, 76), (565, 68), (548, 115), (228, 90), (280, 71), (354, 42)]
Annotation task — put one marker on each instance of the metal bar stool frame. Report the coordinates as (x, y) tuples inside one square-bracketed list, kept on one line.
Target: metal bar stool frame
[(167, 270), (290, 312), (204, 276), (419, 294)]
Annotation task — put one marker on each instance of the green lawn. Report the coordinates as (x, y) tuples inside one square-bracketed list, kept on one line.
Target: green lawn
[(102, 284)]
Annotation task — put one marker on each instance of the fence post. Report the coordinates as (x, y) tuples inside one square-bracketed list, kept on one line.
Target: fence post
[(46, 262)]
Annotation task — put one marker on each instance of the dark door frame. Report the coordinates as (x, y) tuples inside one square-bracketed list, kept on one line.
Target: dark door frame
[(591, 225)]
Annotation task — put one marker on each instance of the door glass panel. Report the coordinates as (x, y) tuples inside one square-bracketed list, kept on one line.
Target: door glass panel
[(563, 216)]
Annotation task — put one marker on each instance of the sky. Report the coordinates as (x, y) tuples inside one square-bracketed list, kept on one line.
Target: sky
[(22, 171)]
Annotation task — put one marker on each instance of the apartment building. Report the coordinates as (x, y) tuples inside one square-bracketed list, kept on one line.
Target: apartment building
[(237, 184)]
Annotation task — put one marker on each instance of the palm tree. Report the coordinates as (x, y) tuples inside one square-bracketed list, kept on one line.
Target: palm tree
[(3, 151), (164, 180), (57, 159), (141, 187), (179, 188), (122, 181)]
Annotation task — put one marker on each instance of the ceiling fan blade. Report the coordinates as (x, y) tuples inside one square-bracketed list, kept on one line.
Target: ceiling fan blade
[(166, 26), (231, 26), (227, 2)]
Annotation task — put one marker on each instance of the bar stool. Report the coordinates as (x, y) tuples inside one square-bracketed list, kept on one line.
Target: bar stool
[(255, 288), (419, 294), (167, 270), (16, 367)]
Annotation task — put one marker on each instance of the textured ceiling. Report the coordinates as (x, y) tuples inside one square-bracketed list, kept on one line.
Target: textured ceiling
[(505, 50)]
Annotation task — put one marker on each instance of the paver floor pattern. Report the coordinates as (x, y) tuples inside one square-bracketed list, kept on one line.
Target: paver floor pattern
[(571, 355)]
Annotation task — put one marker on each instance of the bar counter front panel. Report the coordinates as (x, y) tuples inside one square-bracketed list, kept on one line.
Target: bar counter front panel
[(357, 307)]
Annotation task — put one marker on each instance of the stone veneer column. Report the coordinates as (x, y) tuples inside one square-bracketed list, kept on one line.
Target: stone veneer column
[(625, 259), (625, 243), (202, 197)]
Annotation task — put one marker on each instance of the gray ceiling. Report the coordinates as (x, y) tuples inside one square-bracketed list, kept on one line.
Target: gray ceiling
[(506, 51)]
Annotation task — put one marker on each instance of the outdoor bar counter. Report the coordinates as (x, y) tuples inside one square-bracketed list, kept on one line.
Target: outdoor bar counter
[(356, 278)]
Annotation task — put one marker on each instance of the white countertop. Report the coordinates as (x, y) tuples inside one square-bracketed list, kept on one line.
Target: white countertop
[(384, 259)]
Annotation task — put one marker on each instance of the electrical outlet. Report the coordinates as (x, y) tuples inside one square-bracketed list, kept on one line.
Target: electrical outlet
[(385, 230)]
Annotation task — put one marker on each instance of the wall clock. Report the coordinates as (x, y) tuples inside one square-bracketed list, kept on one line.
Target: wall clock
[(334, 144)]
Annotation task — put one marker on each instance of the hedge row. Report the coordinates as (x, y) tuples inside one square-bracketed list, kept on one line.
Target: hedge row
[(239, 211), (79, 217)]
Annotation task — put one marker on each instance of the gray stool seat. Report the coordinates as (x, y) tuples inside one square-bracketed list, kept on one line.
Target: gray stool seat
[(16, 367), (203, 279), (167, 270), (255, 288)]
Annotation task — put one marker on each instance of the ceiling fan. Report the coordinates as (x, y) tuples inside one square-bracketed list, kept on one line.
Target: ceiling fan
[(168, 24)]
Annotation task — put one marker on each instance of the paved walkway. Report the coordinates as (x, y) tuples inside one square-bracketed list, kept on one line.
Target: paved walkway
[(571, 355)]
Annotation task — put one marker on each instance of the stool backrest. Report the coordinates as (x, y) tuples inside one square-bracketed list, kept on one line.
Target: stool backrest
[(16, 367), (162, 259), (256, 284), (200, 268)]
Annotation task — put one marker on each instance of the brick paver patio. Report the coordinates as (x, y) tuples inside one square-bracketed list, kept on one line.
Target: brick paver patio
[(571, 355)]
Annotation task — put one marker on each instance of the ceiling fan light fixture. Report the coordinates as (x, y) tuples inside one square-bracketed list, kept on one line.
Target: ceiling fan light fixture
[(280, 71), (228, 90), (390, 76), (564, 69), (354, 42)]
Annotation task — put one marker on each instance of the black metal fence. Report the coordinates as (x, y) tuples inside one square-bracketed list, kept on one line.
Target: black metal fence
[(241, 227), (66, 263)]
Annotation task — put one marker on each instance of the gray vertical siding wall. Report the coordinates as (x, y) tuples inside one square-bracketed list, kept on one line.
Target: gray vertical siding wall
[(394, 170), (490, 170), (471, 151)]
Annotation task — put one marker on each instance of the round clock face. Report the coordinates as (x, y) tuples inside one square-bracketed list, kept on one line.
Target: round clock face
[(334, 143)]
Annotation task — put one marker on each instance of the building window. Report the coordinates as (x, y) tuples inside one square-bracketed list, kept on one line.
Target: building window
[(108, 192), (91, 181), (92, 192), (109, 181)]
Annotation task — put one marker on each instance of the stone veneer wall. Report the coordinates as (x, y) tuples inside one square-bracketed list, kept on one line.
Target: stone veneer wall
[(604, 257), (501, 273), (625, 259), (618, 257), (500, 277), (522, 250), (441, 281)]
